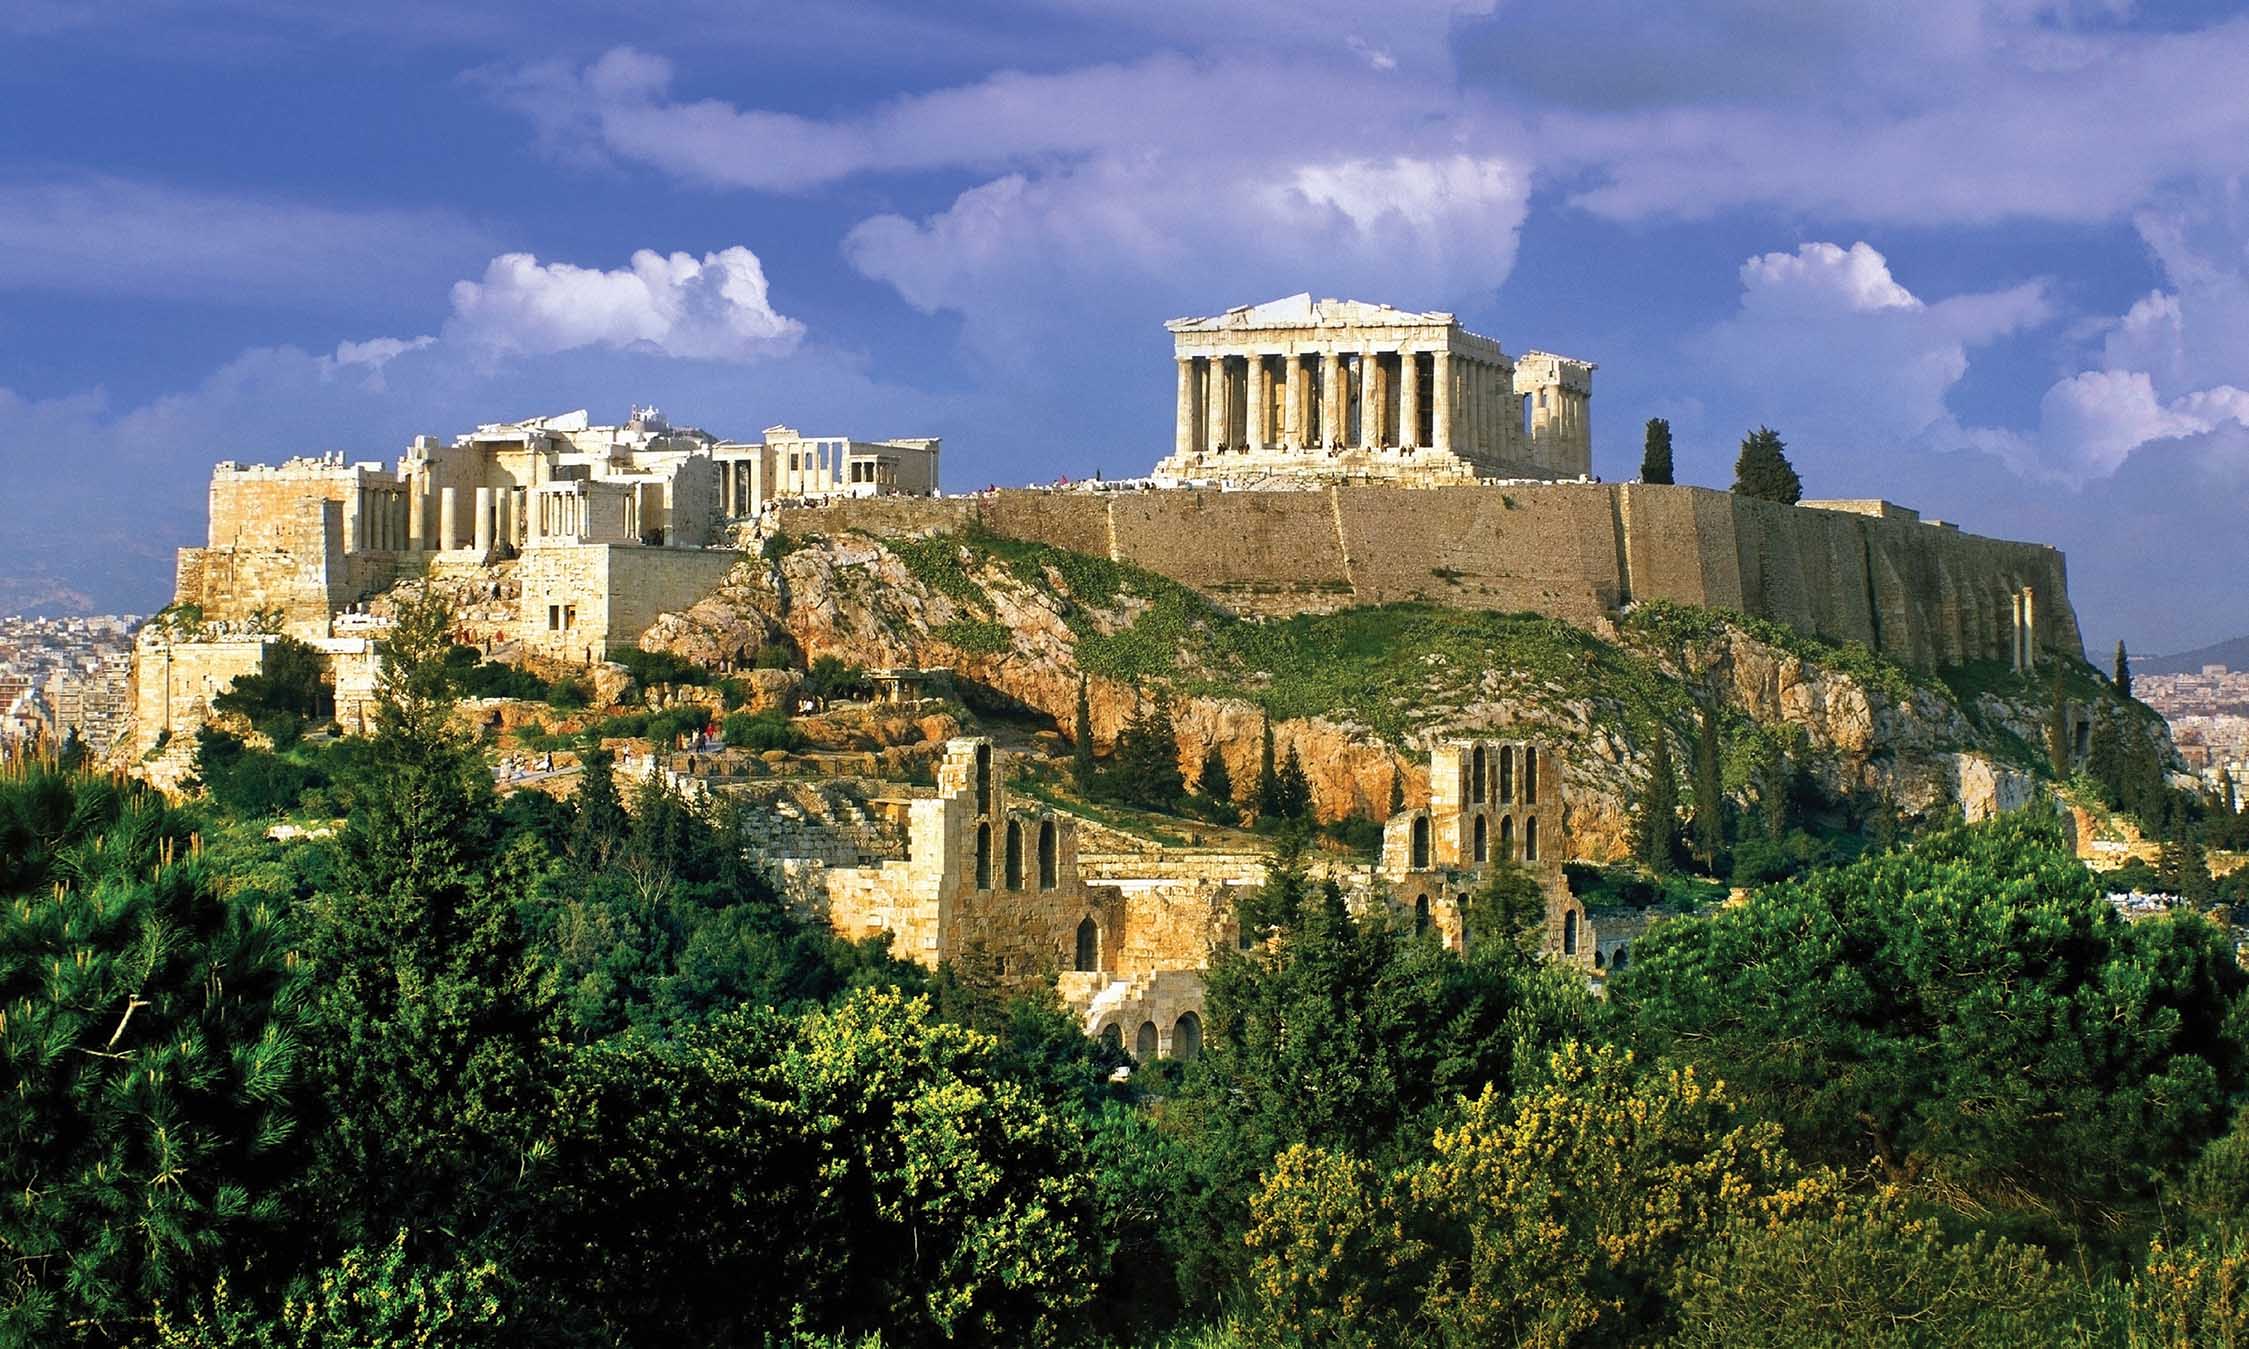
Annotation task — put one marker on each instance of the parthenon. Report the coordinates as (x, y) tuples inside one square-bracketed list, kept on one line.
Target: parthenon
[(1346, 389)]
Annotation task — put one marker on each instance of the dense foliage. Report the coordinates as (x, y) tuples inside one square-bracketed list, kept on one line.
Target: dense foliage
[(485, 1072), (1762, 469)]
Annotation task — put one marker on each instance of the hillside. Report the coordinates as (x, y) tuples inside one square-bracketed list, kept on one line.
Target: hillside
[(2233, 654), (1361, 693)]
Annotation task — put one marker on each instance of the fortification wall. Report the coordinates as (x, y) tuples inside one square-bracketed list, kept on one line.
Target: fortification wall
[(1923, 594), (295, 564)]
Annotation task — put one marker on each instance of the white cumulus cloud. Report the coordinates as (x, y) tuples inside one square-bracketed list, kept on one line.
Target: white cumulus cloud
[(716, 308)]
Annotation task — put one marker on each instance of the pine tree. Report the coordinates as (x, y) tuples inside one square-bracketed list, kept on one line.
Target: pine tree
[(1658, 846), (1268, 778), (1215, 783), (2229, 800), (601, 825), (2122, 679), (2057, 727), (1081, 743), (1710, 793), (1397, 789), (1763, 470), (1773, 783), (1292, 790), (431, 1015), (1145, 769), (1655, 455)]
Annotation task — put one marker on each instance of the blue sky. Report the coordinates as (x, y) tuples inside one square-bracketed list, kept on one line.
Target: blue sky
[(1985, 257)]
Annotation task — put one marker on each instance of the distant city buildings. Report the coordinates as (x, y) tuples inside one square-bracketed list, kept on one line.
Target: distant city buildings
[(2209, 717), (60, 676)]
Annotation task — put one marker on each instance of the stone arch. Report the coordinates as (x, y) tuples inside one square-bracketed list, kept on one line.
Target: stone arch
[(1569, 933), (983, 856), (1112, 1035), (1089, 946), (1506, 773), (984, 779), (1476, 776), (1530, 838), (1482, 832), (1014, 871), (1420, 860), (1187, 1036), (1530, 775), (1421, 914), (1507, 837), (1145, 1044), (1049, 872), (1618, 961), (1599, 961)]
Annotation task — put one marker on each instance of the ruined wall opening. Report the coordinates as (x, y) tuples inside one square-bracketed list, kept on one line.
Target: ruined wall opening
[(1506, 773), (1187, 1036), (1507, 837), (1482, 832), (1420, 843), (983, 779), (1476, 776), (1089, 946), (1047, 868), (1144, 1043), (983, 857), (1569, 933), (1112, 1035), (1014, 854), (1421, 915), (1623, 954), (1530, 775), (1530, 839)]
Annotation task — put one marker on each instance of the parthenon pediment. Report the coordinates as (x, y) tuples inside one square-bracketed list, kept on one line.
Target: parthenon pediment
[(1302, 311)]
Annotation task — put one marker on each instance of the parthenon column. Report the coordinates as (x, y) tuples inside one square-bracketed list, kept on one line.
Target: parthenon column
[(1332, 396), (481, 534), (1214, 403), (1292, 402), (1256, 402), (1440, 400), (1183, 437), (1368, 387), (1409, 400), (1479, 416)]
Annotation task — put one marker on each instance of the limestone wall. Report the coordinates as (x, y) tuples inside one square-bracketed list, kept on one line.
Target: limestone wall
[(581, 601), (1921, 593)]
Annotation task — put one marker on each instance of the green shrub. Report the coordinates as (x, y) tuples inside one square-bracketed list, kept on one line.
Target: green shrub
[(568, 694), (761, 731), (650, 668)]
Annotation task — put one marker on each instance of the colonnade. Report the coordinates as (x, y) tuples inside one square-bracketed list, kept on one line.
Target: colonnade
[(385, 522), (1336, 399)]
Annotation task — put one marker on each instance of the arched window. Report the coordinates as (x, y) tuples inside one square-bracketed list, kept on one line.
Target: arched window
[(1483, 847), (1476, 776), (1530, 839), (1144, 1044), (1421, 914), (1186, 1036), (983, 779), (1623, 954), (1506, 773), (1089, 946), (1112, 1035), (1420, 843), (1530, 775), (1047, 867), (1014, 854), (1507, 837), (1569, 933), (1598, 961), (983, 857)]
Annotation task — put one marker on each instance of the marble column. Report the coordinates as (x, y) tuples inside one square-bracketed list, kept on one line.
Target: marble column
[(1409, 400), (1331, 398), (448, 518), (506, 527), (1472, 377), (1440, 400), (417, 511), (1290, 433), (481, 532), (1183, 438), (1214, 404), (1257, 402)]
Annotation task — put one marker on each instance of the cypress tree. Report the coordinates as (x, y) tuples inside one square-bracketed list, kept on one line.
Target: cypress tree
[(1081, 746), (1710, 792), (1763, 470), (1215, 783), (2057, 726), (2122, 679), (1772, 794), (1292, 790), (1655, 454), (1268, 780), (1659, 809)]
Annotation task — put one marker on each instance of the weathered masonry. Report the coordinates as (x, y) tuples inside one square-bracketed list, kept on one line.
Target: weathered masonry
[(1343, 389)]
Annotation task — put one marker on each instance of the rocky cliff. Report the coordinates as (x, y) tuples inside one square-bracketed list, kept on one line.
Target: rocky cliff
[(1362, 693)]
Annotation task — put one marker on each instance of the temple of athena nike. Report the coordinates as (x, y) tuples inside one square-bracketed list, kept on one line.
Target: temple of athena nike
[(1342, 389)]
